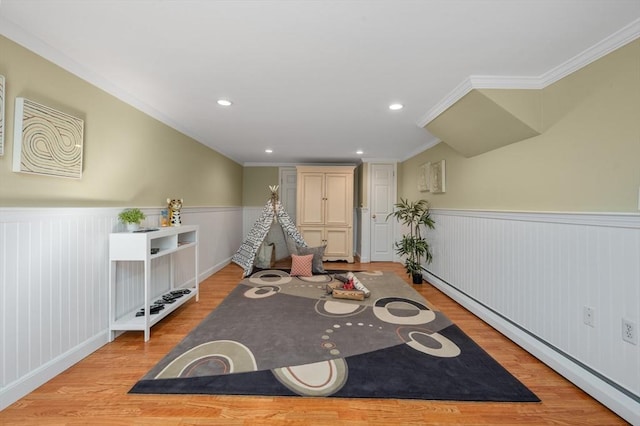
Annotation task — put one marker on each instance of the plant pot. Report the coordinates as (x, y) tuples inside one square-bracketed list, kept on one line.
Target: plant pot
[(132, 227), (417, 278)]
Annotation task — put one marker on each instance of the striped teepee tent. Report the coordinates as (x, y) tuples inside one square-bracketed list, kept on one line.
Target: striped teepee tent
[(272, 213)]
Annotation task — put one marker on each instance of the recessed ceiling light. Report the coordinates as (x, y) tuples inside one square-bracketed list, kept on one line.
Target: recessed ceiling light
[(395, 107), (359, 152), (224, 102), (268, 151)]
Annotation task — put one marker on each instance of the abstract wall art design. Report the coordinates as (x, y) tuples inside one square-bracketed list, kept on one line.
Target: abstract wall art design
[(437, 177), (424, 172), (47, 141), (1, 115)]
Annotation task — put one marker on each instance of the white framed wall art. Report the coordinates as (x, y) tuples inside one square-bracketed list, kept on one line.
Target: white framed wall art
[(424, 171), (437, 177), (46, 141)]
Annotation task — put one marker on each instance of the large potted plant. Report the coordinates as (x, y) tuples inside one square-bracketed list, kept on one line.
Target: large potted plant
[(413, 246), (131, 218)]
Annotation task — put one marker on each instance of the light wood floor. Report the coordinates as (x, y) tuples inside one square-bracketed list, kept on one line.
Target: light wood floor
[(94, 391)]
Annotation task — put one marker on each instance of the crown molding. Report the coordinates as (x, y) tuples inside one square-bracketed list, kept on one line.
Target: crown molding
[(615, 41), (18, 35), (505, 82), (377, 160), (618, 39), (451, 98), (430, 144)]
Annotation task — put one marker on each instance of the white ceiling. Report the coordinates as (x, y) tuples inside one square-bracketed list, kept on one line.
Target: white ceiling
[(311, 80)]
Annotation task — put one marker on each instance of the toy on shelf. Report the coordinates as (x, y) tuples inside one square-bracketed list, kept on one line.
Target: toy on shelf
[(174, 206), (164, 218)]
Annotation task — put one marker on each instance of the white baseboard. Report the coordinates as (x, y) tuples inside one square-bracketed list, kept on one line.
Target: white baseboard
[(212, 270), (364, 258), (606, 393), (46, 372)]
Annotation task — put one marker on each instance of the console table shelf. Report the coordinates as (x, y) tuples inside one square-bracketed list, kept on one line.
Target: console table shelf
[(137, 246)]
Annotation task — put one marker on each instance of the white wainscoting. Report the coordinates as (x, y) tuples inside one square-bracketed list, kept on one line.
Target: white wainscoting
[(249, 217), (54, 283), (530, 275)]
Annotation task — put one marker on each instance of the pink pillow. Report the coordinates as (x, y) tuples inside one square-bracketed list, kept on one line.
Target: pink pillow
[(301, 265)]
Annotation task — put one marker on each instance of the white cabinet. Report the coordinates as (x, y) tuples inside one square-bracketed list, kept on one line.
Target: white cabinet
[(325, 209), (338, 241), (145, 247)]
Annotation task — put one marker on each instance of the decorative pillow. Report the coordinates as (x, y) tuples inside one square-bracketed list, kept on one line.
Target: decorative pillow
[(318, 253), (301, 265)]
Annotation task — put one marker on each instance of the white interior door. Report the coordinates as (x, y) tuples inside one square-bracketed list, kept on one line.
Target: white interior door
[(288, 188), (383, 193)]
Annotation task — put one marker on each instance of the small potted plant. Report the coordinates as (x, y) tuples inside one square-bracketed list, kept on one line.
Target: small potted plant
[(131, 218), (413, 246)]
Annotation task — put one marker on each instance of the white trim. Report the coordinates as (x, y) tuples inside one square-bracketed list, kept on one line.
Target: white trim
[(203, 275), (433, 141), (394, 193), (18, 35), (265, 164), (21, 212), (616, 40), (505, 82), (87, 228), (517, 269), (451, 98), (615, 220), (613, 398), (380, 160), (365, 234), (44, 373)]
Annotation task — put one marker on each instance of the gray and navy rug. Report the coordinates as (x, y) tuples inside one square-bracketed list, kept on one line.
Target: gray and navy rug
[(281, 335)]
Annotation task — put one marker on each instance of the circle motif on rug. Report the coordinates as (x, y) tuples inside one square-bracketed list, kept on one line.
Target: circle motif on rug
[(261, 292), (420, 314), (275, 277), (431, 343), (211, 358), (333, 309), (324, 278), (322, 378)]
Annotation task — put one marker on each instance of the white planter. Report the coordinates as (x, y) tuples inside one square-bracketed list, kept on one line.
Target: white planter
[(132, 227)]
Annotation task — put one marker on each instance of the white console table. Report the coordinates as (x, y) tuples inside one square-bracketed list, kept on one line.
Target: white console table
[(137, 246)]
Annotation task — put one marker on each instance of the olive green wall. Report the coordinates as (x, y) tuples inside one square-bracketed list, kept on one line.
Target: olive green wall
[(586, 160), (129, 159), (256, 182)]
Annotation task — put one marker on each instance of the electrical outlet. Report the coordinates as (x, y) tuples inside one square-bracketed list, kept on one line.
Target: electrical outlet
[(629, 331), (588, 316)]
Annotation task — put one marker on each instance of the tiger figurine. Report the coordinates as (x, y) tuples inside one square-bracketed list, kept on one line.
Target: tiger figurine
[(174, 211)]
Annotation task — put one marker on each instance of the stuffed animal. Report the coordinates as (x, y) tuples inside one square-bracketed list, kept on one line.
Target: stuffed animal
[(174, 211)]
